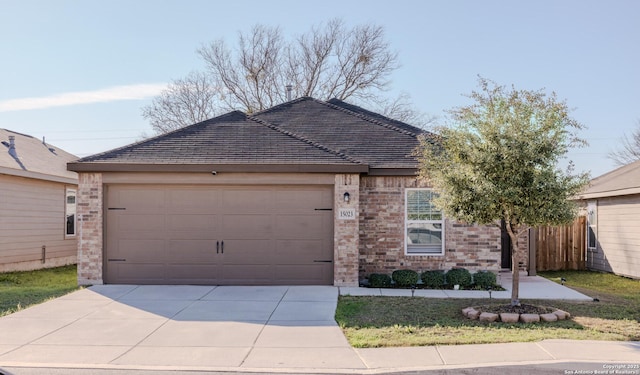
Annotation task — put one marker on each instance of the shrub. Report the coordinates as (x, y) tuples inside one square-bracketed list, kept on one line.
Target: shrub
[(404, 278), (459, 276), (484, 279), (379, 280), (433, 278)]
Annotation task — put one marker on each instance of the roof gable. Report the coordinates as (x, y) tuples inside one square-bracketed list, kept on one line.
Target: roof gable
[(31, 157)]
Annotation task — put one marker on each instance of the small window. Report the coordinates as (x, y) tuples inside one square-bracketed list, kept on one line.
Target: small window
[(70, 213), (424, 224), (592, 225)]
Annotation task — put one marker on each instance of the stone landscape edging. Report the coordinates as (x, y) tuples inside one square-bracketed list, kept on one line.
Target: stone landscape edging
[(474, 314)]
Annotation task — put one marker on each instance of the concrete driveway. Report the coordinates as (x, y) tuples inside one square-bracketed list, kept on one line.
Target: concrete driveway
[(232, 328), (181, 326)]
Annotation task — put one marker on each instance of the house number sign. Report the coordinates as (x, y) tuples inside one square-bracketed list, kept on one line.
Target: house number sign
[(346, 213)]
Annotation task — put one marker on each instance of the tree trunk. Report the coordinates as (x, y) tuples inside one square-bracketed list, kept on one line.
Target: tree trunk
[(515, 267)]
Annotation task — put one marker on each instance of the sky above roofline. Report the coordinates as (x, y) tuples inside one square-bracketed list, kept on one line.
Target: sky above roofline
[(78, 72)]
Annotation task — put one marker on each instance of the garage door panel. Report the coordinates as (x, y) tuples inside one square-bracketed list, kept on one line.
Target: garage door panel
[(191, 250), (244, 200), (193, 201), (133, 235), (247, 274), (248, 252), (300, 251), (193, 272), (168, 234), (301, 200), (137, 222), (197, 222), (299, 226), (140, 250), (141, 200), (249, 226)]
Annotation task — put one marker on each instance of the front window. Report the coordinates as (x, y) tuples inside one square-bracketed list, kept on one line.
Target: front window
[(70, 213), (424, 224), (592, 225)]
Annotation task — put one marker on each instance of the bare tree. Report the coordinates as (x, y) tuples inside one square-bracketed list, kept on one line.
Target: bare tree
[(329, 61), (402, 109), (334, 62), (185, 101), (629, 149)]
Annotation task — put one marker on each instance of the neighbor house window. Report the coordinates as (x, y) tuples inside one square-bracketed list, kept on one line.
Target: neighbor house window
[(70, 213), (424, 224), (592, 225)]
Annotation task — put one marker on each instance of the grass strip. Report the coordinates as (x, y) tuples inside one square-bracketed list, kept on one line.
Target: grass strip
[(405, 321), (19, 290)]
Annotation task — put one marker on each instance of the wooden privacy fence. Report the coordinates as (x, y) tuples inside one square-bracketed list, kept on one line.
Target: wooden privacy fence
[(562, 247)]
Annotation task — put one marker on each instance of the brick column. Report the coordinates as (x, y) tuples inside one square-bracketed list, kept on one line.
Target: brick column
[(346, 228), (90, 195)]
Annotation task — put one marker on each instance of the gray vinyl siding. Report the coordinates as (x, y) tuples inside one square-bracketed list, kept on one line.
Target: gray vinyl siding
[(32, 215), (618, 236)]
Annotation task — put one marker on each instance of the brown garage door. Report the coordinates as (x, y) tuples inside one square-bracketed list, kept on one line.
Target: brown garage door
[(219, 235)]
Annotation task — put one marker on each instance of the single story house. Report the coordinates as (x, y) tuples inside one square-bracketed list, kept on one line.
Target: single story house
[(306, 192), (612, 202), (37, 204)]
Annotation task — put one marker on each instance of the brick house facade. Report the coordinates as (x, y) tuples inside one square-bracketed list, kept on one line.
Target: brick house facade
[(382, 234), (316, 206)]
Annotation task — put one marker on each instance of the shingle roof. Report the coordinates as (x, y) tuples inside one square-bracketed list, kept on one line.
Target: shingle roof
[(621, 181), (369, 137), (304, 134), (34, 158), (375, 116)]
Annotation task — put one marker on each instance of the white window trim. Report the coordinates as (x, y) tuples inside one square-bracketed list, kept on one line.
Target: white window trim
[(592, 205), (407, 221), (66, 213)]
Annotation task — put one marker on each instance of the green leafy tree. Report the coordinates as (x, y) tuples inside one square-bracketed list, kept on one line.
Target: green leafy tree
[(500, 161)]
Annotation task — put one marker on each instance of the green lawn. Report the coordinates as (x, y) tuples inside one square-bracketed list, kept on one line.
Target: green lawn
[(19, 290), (406, 321)]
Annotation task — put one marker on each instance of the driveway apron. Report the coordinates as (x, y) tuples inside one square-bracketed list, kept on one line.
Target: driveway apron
[(181, 326)]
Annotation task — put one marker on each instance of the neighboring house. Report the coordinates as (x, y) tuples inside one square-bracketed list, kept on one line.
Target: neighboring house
[(37, 204), (306, 192), (612, 202)]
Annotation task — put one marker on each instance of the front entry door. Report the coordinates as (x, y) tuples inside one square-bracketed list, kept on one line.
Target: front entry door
[(506, 245)]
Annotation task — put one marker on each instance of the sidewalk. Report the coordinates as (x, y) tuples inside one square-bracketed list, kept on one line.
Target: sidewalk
[(531, 287), (598, 353)]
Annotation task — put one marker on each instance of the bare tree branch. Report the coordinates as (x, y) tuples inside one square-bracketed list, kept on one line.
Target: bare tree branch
[(329, 61), (401, 109), (185, 101), (629, 148)]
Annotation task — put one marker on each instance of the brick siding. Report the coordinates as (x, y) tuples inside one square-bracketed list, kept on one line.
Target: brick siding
[(346, 239), (382, 234), (90, 195)]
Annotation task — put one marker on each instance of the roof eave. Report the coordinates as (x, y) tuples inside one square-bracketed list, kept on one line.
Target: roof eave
[(209, 168), (611, 193), (393, 172), (38, 176)]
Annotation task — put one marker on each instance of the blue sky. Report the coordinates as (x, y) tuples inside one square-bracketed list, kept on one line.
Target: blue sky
[(79, 72)]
